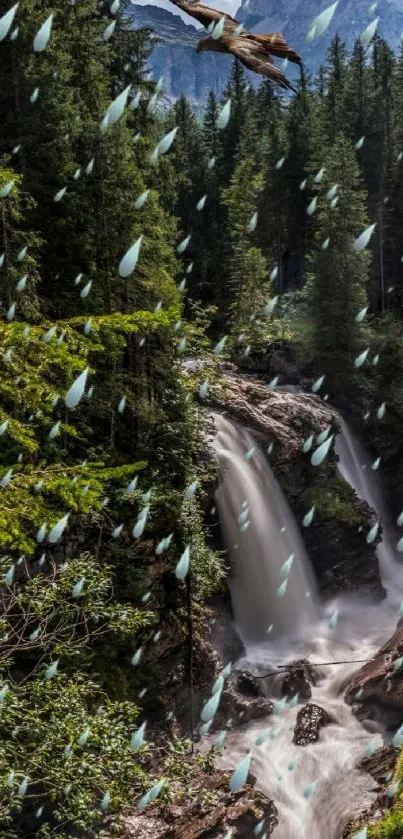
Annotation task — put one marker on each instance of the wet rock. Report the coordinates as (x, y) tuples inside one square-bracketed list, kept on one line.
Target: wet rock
[(381, 764), (213, 811), (223, 635), (282, 416), (366, 818), (375, 717), (299, 679), (372, 726), (242, 700), (380, 681), (310, 719), (247, 685), (335, 541)]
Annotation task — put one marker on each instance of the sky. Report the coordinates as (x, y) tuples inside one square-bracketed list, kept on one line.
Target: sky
[(229, 6)]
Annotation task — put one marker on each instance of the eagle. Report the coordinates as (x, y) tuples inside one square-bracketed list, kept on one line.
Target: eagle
[(253, 51)]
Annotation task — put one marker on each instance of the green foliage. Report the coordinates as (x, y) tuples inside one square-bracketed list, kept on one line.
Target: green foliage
[(33, 375), (197, 326), (123, 331), (333, 502), (14, 207), (390, 827), (67, 624), (240, 199), (339, 275), (44, 371), (42, 716), (384, 384), (78, 489), (179, 762), (248, 304), (291, 320), (208, 568), (39, 721)]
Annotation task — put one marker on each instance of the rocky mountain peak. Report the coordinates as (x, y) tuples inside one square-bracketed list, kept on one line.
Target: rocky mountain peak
[(189, 73)]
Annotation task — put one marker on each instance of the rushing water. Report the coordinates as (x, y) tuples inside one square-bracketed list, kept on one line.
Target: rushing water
[(355, 467), (331, 762), (250, 493)]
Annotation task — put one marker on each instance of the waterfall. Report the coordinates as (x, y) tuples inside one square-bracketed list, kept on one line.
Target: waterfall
[(249, 491), (328, 768), (355, 468)]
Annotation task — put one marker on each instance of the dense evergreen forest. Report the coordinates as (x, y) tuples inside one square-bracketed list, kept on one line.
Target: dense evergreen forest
[(126, 248)]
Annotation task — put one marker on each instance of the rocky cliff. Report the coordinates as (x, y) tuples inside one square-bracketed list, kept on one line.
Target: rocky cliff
[(215, 813), (293, 18), (376, 691)]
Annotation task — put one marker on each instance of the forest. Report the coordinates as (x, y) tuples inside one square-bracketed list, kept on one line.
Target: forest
[(144, 250)]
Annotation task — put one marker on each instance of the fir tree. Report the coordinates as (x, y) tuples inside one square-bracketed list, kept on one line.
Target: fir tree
[(335, 81), (339, 275), (247, 278)]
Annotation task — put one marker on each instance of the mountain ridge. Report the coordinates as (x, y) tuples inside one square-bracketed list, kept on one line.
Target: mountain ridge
[(175, 57), (189, 73)]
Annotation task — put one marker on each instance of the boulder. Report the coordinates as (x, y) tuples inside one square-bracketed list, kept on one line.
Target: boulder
[(242, 701), (380, 681), (381, 764), (212, 812), (310, 719), (298, 679)]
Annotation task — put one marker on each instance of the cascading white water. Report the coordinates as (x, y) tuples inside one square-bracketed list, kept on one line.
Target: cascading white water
[(283, 770), (355, 467), (249, 492)]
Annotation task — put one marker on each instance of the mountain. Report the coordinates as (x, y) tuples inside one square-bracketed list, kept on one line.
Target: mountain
[(193, 74), (351, 18), (175, 57)]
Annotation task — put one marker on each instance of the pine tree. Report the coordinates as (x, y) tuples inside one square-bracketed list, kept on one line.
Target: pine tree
[(273, 200), (19, 270), (236, 91), (60, 137), (382, 164), (298, 139), (396, 191), (211, 133), (247, 278), (338, 274), (356, 100), (335, 77)]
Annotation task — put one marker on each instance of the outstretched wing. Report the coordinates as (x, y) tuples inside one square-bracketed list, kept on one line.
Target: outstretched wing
[(276, 44), (254, 58), (204, 14)]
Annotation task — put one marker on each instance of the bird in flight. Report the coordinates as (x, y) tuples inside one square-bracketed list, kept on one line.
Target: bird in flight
[(230, 37)]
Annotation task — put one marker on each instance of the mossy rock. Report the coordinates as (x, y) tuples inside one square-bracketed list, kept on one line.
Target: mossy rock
[(390, 827), (334, 500)]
